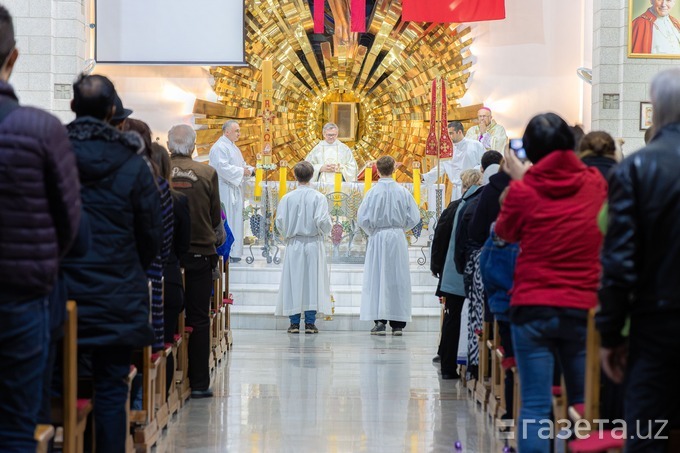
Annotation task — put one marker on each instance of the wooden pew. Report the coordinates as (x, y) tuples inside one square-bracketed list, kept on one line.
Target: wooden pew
[(173, 393), (129, 443), (182, 376), (590, 409), (144, 422), (228, 301), (70, 412), (496, 405), (43, 435), (483, 387)]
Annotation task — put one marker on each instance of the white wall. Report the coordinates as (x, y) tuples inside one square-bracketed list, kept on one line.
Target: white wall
[(527, 63), (162, 96)]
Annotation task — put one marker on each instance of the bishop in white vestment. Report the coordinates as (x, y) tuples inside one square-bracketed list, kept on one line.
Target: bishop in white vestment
[(331, 155), (387, 210), (303, 220), (488, 132), (232, 171)]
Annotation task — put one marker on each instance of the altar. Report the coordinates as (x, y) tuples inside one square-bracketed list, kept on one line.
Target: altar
[(347, 242)]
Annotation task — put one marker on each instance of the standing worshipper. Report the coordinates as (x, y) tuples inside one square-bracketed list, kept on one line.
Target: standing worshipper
[(109, 282), (330, 155), (232, 170), (639, 283), (198, 182), (302, 219), (40, 210), (387, 210), (488, 132)]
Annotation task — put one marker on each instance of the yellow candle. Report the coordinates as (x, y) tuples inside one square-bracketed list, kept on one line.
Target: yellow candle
[(416, 182), (283, 178), (258, 177), (368, 176), (338, 185)]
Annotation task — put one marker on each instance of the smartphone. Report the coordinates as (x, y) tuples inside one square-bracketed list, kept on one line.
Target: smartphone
[(517, 146)]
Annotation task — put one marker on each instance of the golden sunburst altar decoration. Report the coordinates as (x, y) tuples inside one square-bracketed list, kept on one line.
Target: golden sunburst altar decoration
[(384, 73)]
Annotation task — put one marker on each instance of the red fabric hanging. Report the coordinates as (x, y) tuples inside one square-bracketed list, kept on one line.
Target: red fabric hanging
[(358, 16), (447, 11), (319, 6)]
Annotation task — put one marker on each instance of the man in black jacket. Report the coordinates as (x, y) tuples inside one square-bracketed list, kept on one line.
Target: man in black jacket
[(109, 283), (640, 262), (40, 210)]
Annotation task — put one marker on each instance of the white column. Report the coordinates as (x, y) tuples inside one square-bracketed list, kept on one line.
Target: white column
[(52, 38)]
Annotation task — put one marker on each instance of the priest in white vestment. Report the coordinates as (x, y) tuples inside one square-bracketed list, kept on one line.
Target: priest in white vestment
[(303, 220), (330, 155), (232, 172), (467, 154), (387, 210), (488, 132)]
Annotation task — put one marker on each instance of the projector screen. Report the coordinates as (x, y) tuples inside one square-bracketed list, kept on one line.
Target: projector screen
[(196, 32)]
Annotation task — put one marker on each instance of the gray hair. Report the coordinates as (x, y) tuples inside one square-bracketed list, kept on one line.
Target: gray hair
[(328, 126), (181, 139), (665, 95), (228, 124)]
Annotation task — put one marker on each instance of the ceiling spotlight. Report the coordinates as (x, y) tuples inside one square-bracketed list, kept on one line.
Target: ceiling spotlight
[(585, 74), (89, 66)]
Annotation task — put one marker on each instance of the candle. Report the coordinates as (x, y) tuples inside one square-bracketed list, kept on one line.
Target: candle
[(258, 177), (338, 186), (416, 182), (283, 178), (368, 176)]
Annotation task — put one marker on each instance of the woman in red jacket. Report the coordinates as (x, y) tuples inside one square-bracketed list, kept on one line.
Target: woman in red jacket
[(550, 208)]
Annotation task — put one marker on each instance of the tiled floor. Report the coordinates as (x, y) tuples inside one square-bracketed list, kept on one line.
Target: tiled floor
[(331, 392)]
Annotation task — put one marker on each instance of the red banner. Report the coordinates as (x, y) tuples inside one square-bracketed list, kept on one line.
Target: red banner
[(431, 143), (358, 16), (319, 6), (445, 142), (447, 11)]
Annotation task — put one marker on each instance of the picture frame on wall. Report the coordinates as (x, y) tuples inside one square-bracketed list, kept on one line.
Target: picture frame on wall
[(654, 29), (645, 115)]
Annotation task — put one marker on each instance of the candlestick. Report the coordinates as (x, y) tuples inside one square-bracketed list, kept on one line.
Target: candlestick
[(368, 176), (258, 177), (283, 178), (337, 186), (416, 182)]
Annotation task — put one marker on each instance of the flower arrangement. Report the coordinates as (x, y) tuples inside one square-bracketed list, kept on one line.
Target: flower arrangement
[(267, 167)]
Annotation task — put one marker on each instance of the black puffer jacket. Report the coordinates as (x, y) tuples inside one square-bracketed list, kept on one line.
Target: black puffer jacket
[(39, 199), (123, 204), (641, 254)]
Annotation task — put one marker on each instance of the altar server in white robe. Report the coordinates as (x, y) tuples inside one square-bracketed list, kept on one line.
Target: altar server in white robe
[(387, 210), (303, 220), (330, 155), (467, 154), (232, 171)]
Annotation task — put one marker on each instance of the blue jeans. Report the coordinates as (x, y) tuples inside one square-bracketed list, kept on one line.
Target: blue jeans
[(310, 317), (24, 337), (537, 344), (110, 368)]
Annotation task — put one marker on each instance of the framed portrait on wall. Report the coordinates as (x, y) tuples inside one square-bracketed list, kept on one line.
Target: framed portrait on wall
[(645, 115), (654, 29)]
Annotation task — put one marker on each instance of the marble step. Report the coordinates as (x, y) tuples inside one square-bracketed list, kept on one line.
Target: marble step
[(344, 319), (262, 294), (340, 275)]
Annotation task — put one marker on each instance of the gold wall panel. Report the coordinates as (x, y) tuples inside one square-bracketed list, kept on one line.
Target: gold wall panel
[(387, 72)]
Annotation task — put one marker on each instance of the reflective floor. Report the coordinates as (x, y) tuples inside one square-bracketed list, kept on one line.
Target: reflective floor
[(331, 392)]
